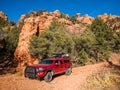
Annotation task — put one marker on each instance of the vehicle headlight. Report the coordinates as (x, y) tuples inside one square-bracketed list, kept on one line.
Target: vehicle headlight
[(39, 69)]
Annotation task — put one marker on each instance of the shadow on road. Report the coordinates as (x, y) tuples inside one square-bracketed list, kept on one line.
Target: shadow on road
[(115, 66)]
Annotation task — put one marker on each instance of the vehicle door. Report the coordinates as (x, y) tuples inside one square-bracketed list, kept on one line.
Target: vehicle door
[(58, 66)]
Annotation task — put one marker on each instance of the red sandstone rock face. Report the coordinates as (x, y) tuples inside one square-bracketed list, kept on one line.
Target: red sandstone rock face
[(75, 28), (32, 26), (85, 19), (66, 22), (105, 16), (21, 19), (57, 13), (21, 54)]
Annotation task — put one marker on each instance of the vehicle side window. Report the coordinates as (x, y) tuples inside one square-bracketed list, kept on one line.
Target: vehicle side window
[(56, 61), (66, 61)]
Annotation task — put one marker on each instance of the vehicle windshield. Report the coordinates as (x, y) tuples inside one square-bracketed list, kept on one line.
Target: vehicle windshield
[(46, 62)]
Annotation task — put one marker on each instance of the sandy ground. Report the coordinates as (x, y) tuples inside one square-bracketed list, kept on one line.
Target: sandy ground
[(61, 82)]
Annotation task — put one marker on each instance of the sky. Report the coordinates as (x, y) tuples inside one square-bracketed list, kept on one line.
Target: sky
[(15, 8)]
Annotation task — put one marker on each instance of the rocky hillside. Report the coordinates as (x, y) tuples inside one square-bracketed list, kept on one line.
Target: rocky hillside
[(36, 22), (112, 20), (6, 26)]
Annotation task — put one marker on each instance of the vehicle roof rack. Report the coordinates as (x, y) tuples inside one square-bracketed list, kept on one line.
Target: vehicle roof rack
[(61, 55)]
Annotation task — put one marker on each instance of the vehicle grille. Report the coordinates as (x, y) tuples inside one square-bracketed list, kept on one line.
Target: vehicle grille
[(30, 72)]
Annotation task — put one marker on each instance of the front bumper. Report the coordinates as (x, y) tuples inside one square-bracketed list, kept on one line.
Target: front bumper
[(31, 72), (41, 74)]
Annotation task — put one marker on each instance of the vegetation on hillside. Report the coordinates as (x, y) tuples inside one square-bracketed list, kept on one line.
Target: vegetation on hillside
[(95, 43), (103, 36), (12, 40), (115, 23), (8, 38), (73, 19), (9, 34), (3, 35)]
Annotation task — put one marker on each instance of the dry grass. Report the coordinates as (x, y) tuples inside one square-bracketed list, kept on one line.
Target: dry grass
[(20, 73), (100, 81)]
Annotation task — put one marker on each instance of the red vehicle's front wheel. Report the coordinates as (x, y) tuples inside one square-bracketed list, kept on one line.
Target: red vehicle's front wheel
[(48, 77)]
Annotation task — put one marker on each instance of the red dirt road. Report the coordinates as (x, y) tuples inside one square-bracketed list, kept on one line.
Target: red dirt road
[(61, 82)]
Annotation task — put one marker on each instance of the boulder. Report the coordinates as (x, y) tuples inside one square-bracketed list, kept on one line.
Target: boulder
[(57, 13)]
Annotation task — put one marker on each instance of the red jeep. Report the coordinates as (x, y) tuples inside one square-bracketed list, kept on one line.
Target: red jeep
[(49, 67)]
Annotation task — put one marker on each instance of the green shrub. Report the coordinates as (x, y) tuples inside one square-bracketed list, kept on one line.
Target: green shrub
[(84, 42), (62, 15), (73, 19), (11, 23), (83, 57), (12, 40), (40, 12), (103, 35), (3, 23), (39, 47), (3, 35)]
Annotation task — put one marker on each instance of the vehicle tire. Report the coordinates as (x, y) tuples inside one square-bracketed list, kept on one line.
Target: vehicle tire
[(68, 71), (48, 77), (25, 75)]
